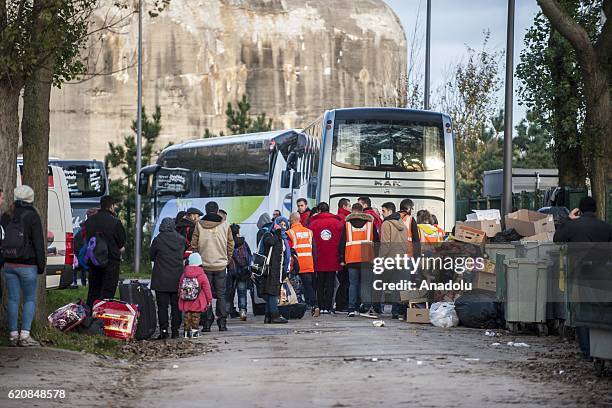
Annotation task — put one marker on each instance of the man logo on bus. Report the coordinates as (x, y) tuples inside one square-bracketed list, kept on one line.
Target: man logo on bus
[(326, 235)]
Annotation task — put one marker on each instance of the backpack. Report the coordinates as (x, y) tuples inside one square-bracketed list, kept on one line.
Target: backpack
[(97, 251), (190, 288), (241, 256), (15, 244)]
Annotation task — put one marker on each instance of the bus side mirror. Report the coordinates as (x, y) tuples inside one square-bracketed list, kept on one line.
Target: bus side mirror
[(143, 184), (297, 179), (285, 179)]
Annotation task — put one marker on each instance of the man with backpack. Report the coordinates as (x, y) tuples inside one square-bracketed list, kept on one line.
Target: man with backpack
[(238, 274), (105, 237), (213, 240), (24, 252)]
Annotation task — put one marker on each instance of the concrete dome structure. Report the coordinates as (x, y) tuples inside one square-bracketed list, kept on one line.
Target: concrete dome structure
[(293, 58)]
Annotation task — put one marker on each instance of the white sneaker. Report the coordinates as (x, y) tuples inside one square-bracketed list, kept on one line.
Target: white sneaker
[(351, 314), (14, 341), (28, 341)]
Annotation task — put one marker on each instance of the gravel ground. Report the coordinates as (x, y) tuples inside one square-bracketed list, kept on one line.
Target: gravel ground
[(332, 361)]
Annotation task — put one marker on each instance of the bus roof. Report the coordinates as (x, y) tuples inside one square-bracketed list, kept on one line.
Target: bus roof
[(386, 112), (220, 140)]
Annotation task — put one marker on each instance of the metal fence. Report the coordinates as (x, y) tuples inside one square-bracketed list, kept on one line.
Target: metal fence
[(529, 200)]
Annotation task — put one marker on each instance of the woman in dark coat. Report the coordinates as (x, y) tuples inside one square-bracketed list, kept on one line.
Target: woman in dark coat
[(276, 239), (167, 255)]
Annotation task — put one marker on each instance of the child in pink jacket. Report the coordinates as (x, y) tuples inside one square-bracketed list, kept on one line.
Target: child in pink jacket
[(195, 296)]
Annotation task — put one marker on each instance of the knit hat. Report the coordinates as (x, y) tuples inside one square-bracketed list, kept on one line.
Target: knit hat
[(195, 259), (24, 193)]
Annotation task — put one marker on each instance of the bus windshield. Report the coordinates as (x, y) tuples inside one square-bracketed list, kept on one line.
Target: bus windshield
[(388, 145), (85, 179)]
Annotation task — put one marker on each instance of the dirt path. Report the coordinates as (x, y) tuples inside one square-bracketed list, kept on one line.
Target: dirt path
[(344, 362), (331, 362)]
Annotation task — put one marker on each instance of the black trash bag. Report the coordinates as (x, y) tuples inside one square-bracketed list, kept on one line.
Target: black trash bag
[(91, 326), (507, 235), (480, 309)]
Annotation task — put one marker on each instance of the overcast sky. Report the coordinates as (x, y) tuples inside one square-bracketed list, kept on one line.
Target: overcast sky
[(457, 23)]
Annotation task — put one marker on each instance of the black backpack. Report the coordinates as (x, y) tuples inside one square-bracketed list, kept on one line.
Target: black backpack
[(96, 253), (16, 242)]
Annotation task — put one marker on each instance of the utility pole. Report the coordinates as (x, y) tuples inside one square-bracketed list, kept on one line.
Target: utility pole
[(138, 226), (427, 56), (507, 194)]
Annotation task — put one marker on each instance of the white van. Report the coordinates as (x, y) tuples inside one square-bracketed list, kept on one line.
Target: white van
[(60, 243)]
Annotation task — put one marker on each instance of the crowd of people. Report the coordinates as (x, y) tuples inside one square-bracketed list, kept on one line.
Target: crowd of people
[(198, 256)]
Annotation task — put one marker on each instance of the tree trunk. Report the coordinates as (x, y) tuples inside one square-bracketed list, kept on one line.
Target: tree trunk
[(9, 140), (35, 136)]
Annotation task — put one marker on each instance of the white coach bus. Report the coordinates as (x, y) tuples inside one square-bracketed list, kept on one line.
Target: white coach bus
[(246, 175), (387, 154)]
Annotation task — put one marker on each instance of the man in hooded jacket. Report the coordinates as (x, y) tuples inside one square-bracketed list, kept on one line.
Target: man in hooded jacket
[(213, 240), (166, 253), (393, 242)]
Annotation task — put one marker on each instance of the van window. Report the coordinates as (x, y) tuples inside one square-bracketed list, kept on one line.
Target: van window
[(55, 216)]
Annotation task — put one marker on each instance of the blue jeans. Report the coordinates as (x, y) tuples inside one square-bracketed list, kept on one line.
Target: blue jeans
[(75, 276), (309, 288), (271, 305), (232, 286), (21, 279), (354, 275)]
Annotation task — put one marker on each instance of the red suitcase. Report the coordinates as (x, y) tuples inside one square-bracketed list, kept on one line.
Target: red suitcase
[(120, 318)]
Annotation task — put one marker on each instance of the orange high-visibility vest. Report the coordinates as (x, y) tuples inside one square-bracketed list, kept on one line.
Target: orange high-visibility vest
[(359, 243), (301, 239), (408, 220)]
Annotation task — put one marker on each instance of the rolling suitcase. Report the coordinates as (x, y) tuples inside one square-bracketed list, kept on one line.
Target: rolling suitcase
[(138, 293)]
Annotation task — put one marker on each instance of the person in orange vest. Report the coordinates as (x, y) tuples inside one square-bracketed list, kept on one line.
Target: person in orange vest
[(428, 233), (302, 243), (406, 214), (356, 250), (440, 229)]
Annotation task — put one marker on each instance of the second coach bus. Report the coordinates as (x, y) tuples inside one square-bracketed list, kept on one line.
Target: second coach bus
[(387, 154)]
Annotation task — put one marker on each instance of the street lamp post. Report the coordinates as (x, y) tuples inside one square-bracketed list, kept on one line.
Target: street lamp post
[(427, 56), (507, 195), (138, 225)]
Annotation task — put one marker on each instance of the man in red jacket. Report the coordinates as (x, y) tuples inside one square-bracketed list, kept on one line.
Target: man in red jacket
[(342, 293), (302, 207), (327, 230), (367, 209), (344, 208)]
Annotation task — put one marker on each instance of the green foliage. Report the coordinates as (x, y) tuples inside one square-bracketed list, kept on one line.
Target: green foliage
[(123, 158), (469, 97), (36, 32), (552, 85), (532, 145), (239, 120)]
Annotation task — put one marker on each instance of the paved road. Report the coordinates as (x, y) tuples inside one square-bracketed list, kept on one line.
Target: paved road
[(336, 361)]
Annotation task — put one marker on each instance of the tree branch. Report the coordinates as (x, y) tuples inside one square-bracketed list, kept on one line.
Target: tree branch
[(565, 24)]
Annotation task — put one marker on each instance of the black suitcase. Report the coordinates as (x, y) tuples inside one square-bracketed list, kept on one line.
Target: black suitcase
[(138, 293), (295, 311), (259, 304)]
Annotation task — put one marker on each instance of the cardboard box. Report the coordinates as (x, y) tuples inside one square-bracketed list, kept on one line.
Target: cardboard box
[(490, 227), (482, 215), (543, 237), (528, 223), (415, 315), (407, 296), (485, 281), (463, 233)]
